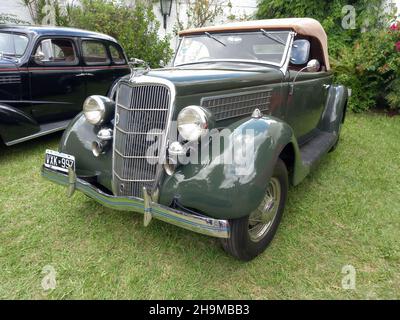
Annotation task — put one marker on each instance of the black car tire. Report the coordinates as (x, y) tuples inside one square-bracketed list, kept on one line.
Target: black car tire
[(240, 243)]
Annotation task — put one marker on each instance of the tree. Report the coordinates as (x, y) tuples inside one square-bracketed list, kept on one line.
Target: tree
[(46, 12), (332, 14), (134, 26), (11, 19), (199, 12)]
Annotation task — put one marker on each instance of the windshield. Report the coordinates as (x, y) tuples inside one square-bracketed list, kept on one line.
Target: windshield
[(13, 44), (262, 46)]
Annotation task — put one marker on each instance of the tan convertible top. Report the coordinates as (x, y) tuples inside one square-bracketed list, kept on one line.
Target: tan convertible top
[(303, 26)]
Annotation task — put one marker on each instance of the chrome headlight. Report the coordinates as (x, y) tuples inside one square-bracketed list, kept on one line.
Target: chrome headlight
[(97, 109), (192, 123)]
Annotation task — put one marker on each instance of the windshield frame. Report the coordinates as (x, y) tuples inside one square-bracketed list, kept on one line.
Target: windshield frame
[(282, 65), (13, 33)]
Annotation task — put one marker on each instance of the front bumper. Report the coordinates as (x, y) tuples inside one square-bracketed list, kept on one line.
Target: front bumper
[(197, 223)]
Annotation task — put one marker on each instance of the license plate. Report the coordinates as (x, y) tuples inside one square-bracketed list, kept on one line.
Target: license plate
[(59, 161)]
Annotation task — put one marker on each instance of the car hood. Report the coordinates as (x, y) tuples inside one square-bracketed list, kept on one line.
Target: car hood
[(211, 77)]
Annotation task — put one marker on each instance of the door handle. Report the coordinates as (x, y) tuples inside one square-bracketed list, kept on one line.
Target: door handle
[(85, 74), (326, 86)]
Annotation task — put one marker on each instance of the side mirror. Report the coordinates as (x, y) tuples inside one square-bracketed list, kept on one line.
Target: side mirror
[(39, 56), (300, 52), (313, 65), (162, 63)]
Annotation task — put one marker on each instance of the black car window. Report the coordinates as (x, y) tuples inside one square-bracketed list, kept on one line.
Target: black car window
[(56, 51), (13, 44), (94, 52), (117, 55)]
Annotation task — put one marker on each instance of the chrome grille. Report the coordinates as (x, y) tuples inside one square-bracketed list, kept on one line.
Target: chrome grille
[(238, 105), (10, 79), (141, 118)]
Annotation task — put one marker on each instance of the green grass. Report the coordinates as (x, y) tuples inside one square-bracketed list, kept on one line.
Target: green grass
[(346, 212)]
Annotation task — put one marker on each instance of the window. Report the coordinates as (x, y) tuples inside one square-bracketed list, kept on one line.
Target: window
[(58, 51), (94, 53), (192, 50), (117, 55), (13, 44), (267, 47)]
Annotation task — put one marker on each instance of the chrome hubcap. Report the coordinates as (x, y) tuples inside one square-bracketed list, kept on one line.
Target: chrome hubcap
[(261, 219)]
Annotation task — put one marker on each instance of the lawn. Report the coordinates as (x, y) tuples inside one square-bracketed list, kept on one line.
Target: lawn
[(347, 212)]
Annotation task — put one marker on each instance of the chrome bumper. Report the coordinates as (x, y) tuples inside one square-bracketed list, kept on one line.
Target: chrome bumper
[(200, 224)]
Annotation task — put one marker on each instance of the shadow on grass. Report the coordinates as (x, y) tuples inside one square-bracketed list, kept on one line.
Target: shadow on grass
[(207, 251)]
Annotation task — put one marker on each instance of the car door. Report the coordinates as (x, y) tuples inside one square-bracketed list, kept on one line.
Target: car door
[(97, 66), (306, 101), (57, 85)]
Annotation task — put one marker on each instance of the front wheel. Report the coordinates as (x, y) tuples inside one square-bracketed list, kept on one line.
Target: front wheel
[(251, 234)]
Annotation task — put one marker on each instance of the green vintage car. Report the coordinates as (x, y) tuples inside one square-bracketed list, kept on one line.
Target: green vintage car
[(212, 142)]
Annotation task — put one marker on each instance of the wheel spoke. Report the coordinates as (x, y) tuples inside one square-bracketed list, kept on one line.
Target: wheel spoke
[(262, 218)]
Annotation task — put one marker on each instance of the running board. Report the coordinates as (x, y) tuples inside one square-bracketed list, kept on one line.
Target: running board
[(312, 151), (44, 129)]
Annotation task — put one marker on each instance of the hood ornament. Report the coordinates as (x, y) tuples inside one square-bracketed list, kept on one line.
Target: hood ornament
[(135, 70)]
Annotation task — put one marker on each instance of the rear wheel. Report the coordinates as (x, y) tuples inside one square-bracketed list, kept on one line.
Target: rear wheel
[(251, 235)]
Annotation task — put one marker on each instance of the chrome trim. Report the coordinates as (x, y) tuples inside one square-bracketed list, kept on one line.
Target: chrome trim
[(105, 134), (288, 52), (230, 60), (196, 223), (257, 114), (36, 135), (149, 80), (236, 108)]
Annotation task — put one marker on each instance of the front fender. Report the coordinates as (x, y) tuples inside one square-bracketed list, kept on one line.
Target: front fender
[(15, 124), (231, 190), (77, 140)]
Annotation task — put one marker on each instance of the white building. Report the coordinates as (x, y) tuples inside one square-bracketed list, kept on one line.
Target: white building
[(15, 7)]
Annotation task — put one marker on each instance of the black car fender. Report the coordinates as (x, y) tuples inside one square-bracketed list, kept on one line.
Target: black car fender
[(15, 124)]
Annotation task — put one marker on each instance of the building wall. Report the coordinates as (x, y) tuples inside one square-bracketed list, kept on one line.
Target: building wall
[(15, 7), (239, 9)]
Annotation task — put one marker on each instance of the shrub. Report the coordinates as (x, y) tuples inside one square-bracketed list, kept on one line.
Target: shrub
[(135, 27), (367, 62), (329, 13), (371, 68)]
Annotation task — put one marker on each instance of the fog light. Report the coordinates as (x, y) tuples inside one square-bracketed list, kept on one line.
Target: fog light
[(176, 149), (105, 134)]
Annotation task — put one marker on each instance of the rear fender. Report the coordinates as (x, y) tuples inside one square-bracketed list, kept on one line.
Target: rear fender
[(232, 190), (335, 107), (16, 124)]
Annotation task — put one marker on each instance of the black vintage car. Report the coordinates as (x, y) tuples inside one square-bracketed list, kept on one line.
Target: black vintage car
[(46, 73)]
